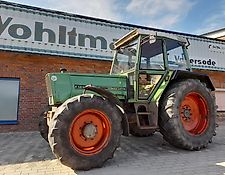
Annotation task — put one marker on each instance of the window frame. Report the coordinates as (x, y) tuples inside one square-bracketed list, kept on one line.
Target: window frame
[(185, 66), (163, 56), (6, 122), (135, 62)]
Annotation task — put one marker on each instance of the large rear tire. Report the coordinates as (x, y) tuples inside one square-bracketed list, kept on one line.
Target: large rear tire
[(85, 131), (187, 115)]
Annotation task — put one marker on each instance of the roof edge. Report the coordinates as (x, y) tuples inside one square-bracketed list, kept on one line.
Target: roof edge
[(110, 22)]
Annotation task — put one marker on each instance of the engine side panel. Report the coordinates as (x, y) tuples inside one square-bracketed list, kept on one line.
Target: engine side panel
[(62, 86)]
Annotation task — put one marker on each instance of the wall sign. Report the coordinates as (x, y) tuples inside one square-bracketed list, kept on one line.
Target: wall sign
[(29, 29)]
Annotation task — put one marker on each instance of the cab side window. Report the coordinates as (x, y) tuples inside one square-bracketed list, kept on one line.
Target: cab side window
[(175, 54)]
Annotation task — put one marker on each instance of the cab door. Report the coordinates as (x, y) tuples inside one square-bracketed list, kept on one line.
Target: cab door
[(152, 68)]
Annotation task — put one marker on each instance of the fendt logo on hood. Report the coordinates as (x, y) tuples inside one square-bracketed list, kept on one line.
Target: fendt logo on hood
[(61, 36)]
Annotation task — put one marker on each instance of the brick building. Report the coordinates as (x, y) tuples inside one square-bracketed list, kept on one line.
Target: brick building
[(30, 70), (35, 41), (217, 77)]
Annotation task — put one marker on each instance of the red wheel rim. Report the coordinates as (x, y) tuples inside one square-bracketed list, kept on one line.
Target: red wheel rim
[(194, 113), (90, 132)]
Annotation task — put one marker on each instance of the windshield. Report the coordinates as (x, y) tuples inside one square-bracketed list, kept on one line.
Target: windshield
[(125, 58)]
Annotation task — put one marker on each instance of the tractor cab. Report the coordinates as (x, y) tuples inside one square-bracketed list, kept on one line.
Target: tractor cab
[(148, 60)]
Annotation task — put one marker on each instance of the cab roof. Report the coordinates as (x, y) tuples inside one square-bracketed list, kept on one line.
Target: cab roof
[(136, 32)]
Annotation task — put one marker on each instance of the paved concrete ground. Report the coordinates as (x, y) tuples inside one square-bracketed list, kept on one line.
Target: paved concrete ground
[(27, 153)]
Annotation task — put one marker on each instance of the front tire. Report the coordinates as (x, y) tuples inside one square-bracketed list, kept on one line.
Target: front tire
[(187, 115), (85, 131), (43, 126)]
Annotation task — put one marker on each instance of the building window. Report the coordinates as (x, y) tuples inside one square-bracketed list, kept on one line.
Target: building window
[(9, 99)]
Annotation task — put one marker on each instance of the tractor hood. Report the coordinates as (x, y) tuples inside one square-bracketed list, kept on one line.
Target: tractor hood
[(62, 86)]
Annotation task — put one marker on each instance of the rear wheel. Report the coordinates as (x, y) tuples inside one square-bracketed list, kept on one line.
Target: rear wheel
[(193, 112), (187, 115), (85, 132)]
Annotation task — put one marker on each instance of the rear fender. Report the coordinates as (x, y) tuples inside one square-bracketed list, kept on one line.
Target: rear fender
[(180, 75)]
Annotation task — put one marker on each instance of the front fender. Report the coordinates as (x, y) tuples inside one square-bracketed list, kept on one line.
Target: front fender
[(114, 100)]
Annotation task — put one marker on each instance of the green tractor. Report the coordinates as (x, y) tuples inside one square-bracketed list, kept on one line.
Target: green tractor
[(150, 88)]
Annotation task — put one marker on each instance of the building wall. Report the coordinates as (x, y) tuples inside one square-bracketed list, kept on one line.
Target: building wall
[(31, 69), (218, 81), (216, 77), (222, 38)]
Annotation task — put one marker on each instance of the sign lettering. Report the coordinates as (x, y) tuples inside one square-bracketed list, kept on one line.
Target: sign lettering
[(41, 33)]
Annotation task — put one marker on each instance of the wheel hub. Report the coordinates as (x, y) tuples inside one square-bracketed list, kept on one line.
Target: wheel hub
[(89, 131), (194, 111), (187, 113)]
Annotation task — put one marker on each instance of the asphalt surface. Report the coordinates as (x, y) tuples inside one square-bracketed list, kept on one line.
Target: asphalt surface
[(27, 153)]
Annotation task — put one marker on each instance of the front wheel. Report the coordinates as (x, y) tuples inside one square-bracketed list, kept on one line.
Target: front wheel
[(85, 131), (187, 115), (43, 126)]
